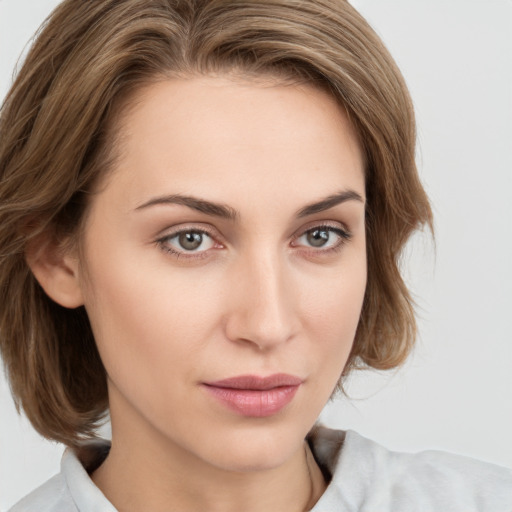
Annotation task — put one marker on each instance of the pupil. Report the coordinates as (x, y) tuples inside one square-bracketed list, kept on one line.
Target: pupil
[(318, 237), (190, 241)]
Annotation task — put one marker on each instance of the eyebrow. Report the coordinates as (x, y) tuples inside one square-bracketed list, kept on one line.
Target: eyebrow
[(227, 212), (200, 205), (329, 202)]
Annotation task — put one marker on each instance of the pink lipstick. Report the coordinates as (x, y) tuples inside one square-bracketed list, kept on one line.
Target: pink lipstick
[(255, 396)]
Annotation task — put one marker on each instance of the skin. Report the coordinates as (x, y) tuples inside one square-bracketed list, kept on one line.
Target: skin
[(257, 297)]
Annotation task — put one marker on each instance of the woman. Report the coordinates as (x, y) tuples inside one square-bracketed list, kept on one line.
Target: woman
[(203, 208)]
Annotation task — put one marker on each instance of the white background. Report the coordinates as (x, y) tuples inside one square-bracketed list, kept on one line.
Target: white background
[(456, 392)]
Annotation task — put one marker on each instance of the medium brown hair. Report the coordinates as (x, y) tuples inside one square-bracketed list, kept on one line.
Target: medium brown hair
[(56, 139)]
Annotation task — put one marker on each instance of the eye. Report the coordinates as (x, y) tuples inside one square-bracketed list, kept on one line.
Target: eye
[(188, 241), (323, 237)]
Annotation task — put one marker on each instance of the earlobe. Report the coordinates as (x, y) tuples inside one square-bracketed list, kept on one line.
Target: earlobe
[(56, 271)]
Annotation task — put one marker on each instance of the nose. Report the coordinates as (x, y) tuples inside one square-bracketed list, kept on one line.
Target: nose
[(262, 307)]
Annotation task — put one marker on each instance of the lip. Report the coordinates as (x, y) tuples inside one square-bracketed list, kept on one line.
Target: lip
[(255, 396)]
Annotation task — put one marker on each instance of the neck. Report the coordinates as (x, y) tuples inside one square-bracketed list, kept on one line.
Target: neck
[(135, 478), (147, 471)]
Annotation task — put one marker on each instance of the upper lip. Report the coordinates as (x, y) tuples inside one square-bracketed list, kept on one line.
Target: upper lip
[(255, 382)]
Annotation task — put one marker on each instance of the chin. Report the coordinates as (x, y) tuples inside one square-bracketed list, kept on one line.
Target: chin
[(252, 460), (257, 448)]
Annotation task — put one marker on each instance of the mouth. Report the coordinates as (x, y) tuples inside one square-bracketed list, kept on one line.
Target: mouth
[(254, 396)]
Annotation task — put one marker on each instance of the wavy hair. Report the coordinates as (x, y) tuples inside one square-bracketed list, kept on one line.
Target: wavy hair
[(57, 138)]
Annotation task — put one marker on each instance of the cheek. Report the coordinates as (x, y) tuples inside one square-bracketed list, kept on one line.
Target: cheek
[(331, 316), (332, 298), (147, 320)]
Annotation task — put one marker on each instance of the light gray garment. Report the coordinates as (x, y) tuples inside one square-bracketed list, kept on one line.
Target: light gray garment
[(365, 478)]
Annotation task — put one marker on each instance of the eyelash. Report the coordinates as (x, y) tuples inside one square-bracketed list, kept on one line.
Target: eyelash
[(344, 237)]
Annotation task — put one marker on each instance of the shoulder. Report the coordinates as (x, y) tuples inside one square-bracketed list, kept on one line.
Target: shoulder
[(367, 477), (72, 490), (52, 496)]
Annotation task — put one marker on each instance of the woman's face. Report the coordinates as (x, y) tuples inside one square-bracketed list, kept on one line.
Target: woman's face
[(226, 267)]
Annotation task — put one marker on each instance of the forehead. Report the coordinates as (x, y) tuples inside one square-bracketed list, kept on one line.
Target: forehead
[(205, 133)]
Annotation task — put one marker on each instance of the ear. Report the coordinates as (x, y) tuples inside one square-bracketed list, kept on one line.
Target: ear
[(56, 270)]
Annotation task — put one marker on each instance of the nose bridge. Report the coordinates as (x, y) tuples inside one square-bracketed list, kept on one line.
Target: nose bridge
[(262, 310)]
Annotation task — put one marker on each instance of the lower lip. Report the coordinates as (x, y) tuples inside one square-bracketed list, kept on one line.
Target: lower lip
[(255, 403)]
